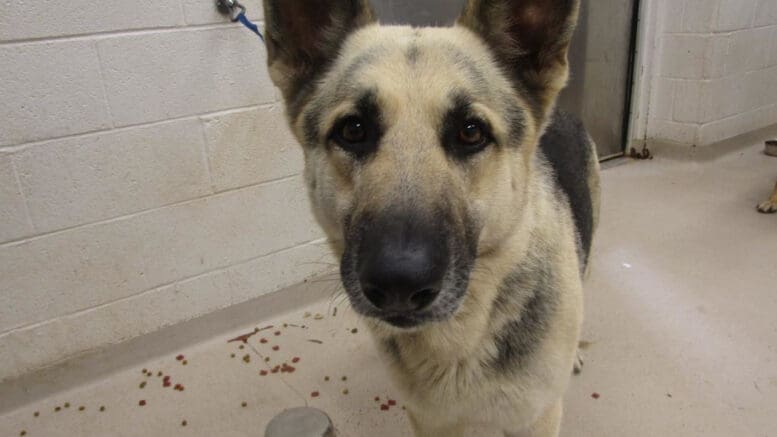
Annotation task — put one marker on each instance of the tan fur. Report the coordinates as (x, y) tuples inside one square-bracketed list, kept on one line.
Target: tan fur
[(769, 206)]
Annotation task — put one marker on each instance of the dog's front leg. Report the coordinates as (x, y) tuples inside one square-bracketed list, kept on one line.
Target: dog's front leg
[(548, 425), (423, 428)]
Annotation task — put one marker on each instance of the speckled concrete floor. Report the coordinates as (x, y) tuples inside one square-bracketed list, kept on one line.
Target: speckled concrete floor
[(680, 324)]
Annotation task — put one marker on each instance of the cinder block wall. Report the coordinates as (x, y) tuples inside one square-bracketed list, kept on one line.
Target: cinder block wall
[(147, 176), (716, 72)]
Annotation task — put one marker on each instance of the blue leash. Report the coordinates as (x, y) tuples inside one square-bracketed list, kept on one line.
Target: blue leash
[(229, 7), (241, 17)]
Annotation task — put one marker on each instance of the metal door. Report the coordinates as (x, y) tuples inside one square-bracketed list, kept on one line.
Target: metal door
[(601, 57)]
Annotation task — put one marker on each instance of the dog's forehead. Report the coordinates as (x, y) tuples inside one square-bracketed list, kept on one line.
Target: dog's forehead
[(427, 63)]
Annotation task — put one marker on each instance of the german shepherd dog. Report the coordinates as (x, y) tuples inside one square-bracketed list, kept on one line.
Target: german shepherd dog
[(461, 203)]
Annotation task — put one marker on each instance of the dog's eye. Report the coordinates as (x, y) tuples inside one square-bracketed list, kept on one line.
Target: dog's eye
[(355, 135), (472, 133), (353, 130)]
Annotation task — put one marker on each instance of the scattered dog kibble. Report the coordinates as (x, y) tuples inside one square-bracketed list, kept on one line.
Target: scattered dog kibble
[(276, 348), (263, 340), (247, 358), (326, 378), (277, 333), (179, 357), (57, 408), (345, 391), (596, 395), (263, 372), (244, 404), (404, 408), (143, 385), (276, 369), (159, 375), (285, 325), (184, 423), (67, 404), (81, 408), (184, 362), (241, 347), (384, 407), (392, 402), (232, 355), (295, 360), (344, 378), (102, 408), (266, 359), (23, 433), (314, 394), (145, 371), (377, 398), (354, 331), (142, 403)]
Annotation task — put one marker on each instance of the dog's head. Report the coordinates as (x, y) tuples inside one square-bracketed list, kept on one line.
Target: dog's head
[(419, 143)]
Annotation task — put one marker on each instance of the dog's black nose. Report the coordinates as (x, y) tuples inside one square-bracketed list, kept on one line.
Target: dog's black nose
[(402, 264)]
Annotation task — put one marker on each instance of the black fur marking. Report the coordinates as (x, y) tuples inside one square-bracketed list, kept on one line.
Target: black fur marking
[(391, 347), (532, 290), (566, 146)]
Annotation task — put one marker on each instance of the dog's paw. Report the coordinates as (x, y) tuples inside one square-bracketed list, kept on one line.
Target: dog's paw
[(768, 207), (578, 367)]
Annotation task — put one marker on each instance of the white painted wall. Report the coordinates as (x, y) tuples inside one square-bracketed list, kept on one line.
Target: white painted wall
[(147, 176), (710, 67)]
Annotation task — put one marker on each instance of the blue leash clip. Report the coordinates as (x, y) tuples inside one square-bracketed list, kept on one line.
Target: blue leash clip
[(237, 12)]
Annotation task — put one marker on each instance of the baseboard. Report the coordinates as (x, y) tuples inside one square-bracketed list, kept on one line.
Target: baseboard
[(685, 152)]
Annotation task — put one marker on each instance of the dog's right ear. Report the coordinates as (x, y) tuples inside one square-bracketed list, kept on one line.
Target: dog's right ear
[(304, 36)]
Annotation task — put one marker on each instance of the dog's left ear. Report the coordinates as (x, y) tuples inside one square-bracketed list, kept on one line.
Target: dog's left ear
[(530, 38), (303, 37)]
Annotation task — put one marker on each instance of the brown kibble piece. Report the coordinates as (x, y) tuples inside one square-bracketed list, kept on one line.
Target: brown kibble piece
[(184, 362), (277, 333), (266, 359), (102, 408), (143, 384), (377, 398), (263, 340), (314, 394), (345, 391), (232, 355), (81, 408), (166, 384), (326, 378), (244, 404), (184, 423), (384, 407), (142, 403), (57, 408), (404, 408), (263, 372), (276, 348), (67, 404), (247, 358), (596, 395), (241, 347), (159, 375), (354, 331), (23, 433), (295, 360), (145, 371), (344, 378), (36, 414), (179, 357), (392, 402)]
